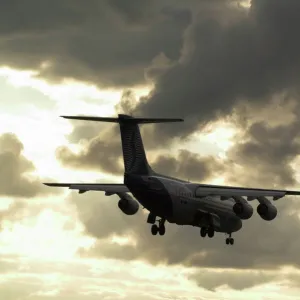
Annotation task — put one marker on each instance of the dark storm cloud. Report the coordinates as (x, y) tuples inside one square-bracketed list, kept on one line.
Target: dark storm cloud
[(100, 153), (14, 169), (188, 165), (104, 42), (263, 155), (229, 55), (104, 154)]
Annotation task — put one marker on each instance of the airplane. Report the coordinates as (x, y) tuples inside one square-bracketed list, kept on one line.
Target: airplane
[(212, 208)]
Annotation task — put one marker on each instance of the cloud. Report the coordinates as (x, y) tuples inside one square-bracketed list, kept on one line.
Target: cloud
[(12, 99), (263, 154), (229, 55), (237, 280), (37, 280), (202, 56), (101, 149), (101, 153), (109, 42), (188, 165), (15, 169), (14, 211), (104, 153)]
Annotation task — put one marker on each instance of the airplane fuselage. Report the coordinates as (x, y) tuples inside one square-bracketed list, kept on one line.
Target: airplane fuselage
[(176, 202)]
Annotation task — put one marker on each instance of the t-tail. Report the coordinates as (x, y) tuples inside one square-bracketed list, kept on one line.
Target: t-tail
[(135, 160)]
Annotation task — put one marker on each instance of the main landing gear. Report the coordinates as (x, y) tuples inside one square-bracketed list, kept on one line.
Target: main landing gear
[(229, 240), (209, 231), (160, 228)]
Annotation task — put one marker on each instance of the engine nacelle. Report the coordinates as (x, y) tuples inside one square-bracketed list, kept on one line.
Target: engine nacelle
[(128, 205), (267, 212), (243, 210)]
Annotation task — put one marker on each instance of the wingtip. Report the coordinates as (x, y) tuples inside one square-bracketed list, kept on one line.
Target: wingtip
[(74, 117), (51, 184)]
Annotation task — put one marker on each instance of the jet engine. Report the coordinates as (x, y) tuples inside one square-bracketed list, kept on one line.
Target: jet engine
[(128, 205), (267, 212), (243, 210)]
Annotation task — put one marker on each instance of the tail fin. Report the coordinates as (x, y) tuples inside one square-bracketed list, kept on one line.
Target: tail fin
[(135, 160)]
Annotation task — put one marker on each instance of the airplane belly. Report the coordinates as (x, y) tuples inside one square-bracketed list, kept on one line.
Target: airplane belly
[(158, 204), (230, 225), (183, 211)]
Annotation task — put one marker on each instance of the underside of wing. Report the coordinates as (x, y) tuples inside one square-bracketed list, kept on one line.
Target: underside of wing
[(111, 188), (231, 191)]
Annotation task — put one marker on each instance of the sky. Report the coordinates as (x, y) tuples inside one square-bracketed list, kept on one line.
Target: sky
[(229, 68)]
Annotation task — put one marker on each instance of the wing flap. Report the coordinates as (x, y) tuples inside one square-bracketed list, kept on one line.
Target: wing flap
[(111, 188)]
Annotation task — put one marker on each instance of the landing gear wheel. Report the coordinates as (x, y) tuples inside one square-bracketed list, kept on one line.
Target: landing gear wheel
[(154, 229), (203, 232), (162, 229), (210, 232), (229, 240)]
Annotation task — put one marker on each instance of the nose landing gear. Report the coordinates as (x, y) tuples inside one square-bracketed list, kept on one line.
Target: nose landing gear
[(229, 240)]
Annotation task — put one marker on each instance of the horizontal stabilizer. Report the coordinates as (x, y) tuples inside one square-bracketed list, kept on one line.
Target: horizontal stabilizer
[(110, 188), (124, 119)]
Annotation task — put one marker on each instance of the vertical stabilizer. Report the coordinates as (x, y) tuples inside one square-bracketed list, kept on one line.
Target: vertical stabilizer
[(135, 160)]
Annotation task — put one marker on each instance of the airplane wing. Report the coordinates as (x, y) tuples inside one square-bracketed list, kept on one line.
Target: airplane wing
[(110, 188), (231, 191)]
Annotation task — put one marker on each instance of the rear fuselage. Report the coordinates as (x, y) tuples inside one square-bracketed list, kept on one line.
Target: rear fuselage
[(176, 202)]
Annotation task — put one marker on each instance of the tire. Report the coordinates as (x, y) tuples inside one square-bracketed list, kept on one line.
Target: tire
[(203, 232), (154, 229), (162, 230), (210, 232)]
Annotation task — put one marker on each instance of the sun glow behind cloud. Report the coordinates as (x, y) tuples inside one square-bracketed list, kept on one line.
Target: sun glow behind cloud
[(43, 131), (44, 236), (216, 139)]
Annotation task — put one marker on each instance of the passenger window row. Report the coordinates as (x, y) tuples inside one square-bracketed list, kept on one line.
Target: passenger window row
[(186, 194)]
